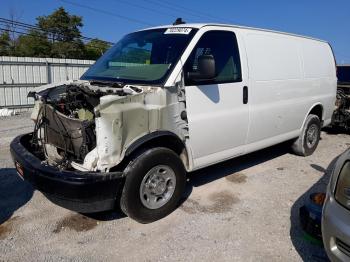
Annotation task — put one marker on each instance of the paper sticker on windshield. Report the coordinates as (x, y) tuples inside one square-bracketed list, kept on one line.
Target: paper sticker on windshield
[(178, 30)]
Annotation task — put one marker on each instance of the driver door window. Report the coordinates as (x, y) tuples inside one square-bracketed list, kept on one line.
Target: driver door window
[(222, 45)]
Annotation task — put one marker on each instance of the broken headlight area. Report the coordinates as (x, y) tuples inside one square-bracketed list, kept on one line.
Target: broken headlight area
[(65, 123), (73, 137)]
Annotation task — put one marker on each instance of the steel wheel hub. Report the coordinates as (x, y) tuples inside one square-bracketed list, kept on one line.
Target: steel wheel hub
[(311, 136), (157, 187)]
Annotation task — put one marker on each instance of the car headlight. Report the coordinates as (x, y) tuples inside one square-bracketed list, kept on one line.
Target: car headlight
[(342, 191)]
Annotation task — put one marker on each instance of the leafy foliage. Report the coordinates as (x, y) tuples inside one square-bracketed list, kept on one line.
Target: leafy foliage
[(35, 44), (95, 48), (58, 35), (61, 26), (5, 43)]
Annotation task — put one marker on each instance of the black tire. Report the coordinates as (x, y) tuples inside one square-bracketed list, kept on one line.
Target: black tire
[(130, 202), (302, 145)]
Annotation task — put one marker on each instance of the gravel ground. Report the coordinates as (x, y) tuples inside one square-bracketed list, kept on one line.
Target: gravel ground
[(245, 209)]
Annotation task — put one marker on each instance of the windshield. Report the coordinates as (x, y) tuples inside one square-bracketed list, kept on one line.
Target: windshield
[(145, 57)]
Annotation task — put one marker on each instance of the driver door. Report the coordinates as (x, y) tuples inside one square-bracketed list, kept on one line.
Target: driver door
[(217, 109)]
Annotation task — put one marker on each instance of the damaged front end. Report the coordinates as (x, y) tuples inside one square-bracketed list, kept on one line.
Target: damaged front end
[(66, 119), (87, 131), (82, 130)]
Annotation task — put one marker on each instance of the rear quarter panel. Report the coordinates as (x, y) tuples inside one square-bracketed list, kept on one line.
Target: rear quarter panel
[(288, 75), (320, 74)]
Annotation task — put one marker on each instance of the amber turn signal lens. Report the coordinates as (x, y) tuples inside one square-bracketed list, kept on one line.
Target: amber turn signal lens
[(318, 198)]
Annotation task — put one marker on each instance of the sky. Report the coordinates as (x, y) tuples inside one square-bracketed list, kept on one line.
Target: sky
[(111, 19)]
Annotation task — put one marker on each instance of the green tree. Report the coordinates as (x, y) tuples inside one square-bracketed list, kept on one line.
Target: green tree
[(5, 47), (63, 31), (95, 48), (61, 26), (34, 44), (57, 35), (74, 49)]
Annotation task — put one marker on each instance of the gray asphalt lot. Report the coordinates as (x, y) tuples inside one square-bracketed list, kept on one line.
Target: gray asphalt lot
[(245, 209)]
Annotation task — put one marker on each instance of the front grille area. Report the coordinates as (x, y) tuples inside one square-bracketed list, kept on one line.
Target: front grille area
[(72, 135), (343, 247)]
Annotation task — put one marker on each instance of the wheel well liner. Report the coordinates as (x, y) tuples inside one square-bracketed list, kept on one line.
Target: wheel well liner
[(315, 109), (318, 111), (158, 139)]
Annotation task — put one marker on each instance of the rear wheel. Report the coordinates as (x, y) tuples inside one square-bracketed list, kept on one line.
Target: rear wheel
[(308, 140), (155, 181)]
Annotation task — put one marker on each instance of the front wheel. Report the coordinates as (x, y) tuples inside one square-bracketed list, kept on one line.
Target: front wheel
[(155, 181), (308, 140)]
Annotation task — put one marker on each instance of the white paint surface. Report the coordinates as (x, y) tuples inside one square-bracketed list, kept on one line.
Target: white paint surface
[(287, 75)]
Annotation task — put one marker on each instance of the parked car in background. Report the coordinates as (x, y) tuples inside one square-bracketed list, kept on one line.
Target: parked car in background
[(336, 211), (172, 99), (341, 115)]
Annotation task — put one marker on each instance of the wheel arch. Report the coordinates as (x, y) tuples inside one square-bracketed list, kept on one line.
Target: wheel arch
[(318, 111), (315, 109), (160, 138)]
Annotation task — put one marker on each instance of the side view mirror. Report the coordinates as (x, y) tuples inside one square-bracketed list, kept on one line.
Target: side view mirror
[(206, 68)]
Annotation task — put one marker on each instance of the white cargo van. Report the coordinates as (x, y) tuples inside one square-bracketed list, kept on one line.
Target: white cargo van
[(169, 100)]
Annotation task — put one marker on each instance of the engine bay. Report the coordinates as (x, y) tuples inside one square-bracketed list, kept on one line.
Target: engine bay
[(65, 121)]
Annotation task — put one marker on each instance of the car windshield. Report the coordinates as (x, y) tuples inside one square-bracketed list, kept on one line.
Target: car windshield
[(145, 57)]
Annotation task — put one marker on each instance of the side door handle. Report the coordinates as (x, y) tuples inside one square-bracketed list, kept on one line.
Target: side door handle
[(245, 95)]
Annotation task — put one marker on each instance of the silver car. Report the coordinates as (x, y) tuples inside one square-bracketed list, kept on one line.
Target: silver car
[(336, 211)]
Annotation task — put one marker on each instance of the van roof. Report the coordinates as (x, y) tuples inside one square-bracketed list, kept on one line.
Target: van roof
[(200, 25)]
